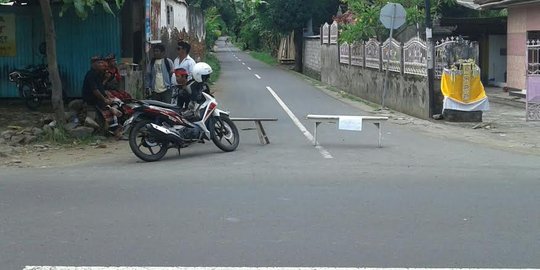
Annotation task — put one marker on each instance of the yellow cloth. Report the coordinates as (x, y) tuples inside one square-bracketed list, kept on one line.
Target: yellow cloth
[(463, 86)]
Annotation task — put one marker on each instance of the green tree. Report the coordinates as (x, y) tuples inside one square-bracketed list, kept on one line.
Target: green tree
[(214, 25), (366, 17), (286, 16), (226, 9), (81, 8)]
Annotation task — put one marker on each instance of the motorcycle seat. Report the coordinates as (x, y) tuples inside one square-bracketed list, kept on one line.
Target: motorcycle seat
[(162, 104)]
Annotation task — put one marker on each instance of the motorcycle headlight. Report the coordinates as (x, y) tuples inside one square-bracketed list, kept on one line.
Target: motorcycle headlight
[(13, 76)]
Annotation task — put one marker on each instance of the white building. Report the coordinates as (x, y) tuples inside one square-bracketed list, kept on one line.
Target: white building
[(174, 14)]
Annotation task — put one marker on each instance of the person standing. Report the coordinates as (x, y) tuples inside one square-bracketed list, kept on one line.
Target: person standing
[(184, 60), (158, 75)]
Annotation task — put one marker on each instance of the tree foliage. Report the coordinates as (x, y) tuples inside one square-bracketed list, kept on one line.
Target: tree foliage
[(366, 16), (214, 25), (83, 6)]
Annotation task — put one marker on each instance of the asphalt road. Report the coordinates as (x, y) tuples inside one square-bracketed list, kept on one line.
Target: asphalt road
[(420, 201)]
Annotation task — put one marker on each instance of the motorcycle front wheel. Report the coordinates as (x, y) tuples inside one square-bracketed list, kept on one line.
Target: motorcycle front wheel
[(31, 101), (224, 134), (144, 146)]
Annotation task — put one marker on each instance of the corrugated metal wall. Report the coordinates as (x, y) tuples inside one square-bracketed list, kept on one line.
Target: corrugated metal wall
[(98, 34), (77, 42), (24, 57)]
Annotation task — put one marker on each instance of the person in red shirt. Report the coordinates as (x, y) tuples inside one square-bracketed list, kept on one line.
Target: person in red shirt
[(112, 75)]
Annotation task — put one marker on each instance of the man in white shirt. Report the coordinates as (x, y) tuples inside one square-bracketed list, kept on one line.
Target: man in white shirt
[(184, 60)]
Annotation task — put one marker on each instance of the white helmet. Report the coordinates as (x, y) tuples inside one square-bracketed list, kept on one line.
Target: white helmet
[(201, 72)]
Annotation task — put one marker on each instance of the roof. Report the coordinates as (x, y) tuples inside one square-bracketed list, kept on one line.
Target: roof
[(487, 4), (468, 4)]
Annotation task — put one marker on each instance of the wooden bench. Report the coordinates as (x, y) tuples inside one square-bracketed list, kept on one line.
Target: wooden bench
[(263, 138), (318, 119)]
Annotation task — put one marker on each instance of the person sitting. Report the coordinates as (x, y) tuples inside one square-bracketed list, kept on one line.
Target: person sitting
[(181, 81), (195, 88), (112, 74), (112, 80), (94, 94)]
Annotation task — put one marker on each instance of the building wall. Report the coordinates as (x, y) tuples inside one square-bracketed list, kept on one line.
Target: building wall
[(180, 15), (406, 93), (520, 20), (312, 57)]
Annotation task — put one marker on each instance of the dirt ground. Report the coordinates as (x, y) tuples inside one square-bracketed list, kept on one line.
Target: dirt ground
[(44, 154)]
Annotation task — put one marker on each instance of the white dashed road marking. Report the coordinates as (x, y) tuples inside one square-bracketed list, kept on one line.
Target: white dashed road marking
[(258, 77), (297, 122), (249, 68)]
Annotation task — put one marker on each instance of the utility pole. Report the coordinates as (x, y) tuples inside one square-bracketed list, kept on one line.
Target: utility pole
[(430, 62)]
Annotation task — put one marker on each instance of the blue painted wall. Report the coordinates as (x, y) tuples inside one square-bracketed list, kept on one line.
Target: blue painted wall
[(77, 41)]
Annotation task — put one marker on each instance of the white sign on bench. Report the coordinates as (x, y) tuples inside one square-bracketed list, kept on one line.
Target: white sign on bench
[(353, 123), (346, 122)]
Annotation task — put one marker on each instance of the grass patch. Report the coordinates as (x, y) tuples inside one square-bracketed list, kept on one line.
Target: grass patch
[(61, 136), (56, 135), (264, 57), (212, 60)]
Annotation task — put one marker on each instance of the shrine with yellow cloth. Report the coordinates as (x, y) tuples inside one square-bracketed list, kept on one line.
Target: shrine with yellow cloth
[(462, 88)]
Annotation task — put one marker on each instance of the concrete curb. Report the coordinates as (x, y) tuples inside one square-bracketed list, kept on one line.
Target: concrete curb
[(517, 103)]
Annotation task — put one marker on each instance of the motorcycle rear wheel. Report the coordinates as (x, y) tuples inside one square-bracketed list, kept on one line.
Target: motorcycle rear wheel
[(30, 100), (140, 140), (225, 134)]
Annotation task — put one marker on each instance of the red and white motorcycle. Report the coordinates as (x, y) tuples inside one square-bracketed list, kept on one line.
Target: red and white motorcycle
[(155, 127)]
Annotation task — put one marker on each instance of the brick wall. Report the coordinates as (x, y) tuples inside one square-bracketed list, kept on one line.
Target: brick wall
[(312, 57), (516, 44), (520, 20)]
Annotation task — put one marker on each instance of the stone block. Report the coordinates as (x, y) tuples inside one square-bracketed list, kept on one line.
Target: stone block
[(81, 132), (462, 116)]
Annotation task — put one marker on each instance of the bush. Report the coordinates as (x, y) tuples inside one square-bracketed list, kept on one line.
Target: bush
[(212, 60)]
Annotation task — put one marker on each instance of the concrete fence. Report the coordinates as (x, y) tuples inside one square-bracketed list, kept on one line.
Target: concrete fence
[(359, 68), (406, 93)]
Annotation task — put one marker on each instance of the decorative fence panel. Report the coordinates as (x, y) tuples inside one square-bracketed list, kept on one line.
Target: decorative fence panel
[(415, 57), (411, 57), (373, 54), (357, 54), (391, 55), (325, 34), (533, 81), (533, 57), (448, 51), (345, 53), (334, 33)]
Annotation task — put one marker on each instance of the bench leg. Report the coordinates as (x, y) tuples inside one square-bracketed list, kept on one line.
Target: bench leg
[(379, 128), (262, 133), (316, 125)]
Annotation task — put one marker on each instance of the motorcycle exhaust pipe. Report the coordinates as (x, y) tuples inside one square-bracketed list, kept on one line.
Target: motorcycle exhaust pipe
[(163, 133)]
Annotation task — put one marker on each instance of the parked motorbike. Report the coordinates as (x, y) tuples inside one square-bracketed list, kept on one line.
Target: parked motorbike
[(155, 127), (33, 84)]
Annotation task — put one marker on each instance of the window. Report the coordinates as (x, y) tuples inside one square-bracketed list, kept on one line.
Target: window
[(170, 15)]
